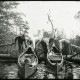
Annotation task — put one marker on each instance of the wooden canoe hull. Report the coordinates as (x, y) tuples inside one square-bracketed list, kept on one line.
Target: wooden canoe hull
[(29, 66), (25, 71), (54, 66), (41, 49)]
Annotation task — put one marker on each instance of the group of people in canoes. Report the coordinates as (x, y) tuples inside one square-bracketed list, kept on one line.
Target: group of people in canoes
[(41, 46)]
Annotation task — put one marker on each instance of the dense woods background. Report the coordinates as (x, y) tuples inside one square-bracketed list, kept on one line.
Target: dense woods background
[(10, 20), (12, 24)]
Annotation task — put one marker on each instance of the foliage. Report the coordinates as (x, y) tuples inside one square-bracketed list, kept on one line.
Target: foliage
[(10, 18), (77, 15), (45, 34), (76, 40), (58, 35)]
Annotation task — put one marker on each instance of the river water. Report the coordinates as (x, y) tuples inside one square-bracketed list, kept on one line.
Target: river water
[(10, 71)]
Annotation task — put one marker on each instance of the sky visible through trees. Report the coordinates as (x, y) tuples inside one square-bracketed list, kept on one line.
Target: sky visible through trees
[(62, 13)]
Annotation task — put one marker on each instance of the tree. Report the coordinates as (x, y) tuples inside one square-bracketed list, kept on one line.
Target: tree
[(60, 34), (53, 30), (45, 34), (76, 41), (77, 15), (38, 33), (10, 18)]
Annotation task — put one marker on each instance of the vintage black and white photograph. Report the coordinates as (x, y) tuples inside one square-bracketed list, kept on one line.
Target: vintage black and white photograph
[(39, 39)]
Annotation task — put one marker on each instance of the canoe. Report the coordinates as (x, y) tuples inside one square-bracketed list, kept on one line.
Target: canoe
[(54, 59), (41, 49), (27, 63)]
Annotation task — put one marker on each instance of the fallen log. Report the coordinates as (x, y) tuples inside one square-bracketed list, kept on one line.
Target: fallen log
[(77, 50), (76, 61), (7, 44), (4, 55), (74, 55), (7, 57), (77, 47)]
